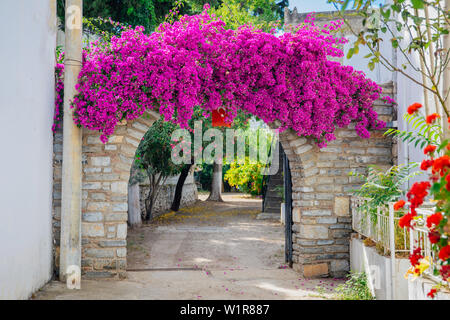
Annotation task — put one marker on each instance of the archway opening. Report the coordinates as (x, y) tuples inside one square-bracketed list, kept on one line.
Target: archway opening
[(232, 232)]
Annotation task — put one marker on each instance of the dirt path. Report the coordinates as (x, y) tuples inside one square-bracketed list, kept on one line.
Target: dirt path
[(207, 251)]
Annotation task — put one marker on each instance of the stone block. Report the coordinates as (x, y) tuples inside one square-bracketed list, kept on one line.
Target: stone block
[(112, 243), (317, 213), (313, 232), (116, 216), (92, 229), (121, 252), (97, 206), (315, 270), (120, 187), (99, 253), (92, 186), (302, 149), (92, 216), (100, 161), (342, 206), (122, 231), (339, 266), (296, 216), (118, 207)]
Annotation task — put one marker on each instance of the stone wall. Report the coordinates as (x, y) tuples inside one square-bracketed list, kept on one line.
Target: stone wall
[(106, 171), (321, 192), (167, 193)]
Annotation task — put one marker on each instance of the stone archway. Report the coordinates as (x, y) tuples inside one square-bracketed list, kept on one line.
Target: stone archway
[(320, 184)]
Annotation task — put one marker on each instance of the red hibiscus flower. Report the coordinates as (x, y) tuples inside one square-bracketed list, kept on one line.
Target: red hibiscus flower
[(414, 107), (434, 219), (432, 117), (444, 253), (399, 204), (429, 149)]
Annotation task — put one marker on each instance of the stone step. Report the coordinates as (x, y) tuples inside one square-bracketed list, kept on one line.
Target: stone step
[(268, 210), (273, 198), (268, 216)]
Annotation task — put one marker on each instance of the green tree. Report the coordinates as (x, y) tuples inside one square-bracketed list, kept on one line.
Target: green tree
[(153, 156), (247, 174), (146, 13), (263, 14)]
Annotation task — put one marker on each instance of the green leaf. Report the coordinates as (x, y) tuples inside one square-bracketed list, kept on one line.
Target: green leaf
[(417, 4)]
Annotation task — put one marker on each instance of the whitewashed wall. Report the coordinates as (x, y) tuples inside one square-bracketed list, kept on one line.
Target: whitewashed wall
[(28, 33), (407, 92)]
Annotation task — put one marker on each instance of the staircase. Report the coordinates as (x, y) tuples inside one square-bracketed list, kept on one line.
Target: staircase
[(272, 198)]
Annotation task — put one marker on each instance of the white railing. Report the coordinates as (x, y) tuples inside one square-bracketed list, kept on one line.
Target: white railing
[(382, 228), (419, 238)]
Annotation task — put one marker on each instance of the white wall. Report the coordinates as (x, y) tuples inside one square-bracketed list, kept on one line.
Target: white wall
[(28, 33), (378, 270)]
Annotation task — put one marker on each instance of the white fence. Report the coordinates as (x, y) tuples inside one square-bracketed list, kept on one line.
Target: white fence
[(382, 227)]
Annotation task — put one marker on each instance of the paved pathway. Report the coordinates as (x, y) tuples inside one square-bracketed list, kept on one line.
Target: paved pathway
[(207, 251)]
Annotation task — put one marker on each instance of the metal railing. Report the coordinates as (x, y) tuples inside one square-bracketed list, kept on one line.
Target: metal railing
[(419, 238), (382, 227)]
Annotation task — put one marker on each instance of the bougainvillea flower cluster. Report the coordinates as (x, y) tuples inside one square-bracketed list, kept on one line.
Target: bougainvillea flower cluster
[(197, 62), (59, 91)]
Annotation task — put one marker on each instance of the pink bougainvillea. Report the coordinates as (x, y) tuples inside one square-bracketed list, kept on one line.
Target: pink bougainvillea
[(59, 91), (197, 62)]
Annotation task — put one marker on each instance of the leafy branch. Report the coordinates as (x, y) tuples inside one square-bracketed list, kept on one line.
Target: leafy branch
[(423, 133)]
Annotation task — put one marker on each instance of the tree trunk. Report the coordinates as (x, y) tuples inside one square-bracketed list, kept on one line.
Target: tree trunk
[(216, 184), (148, 206), (179, 189), (134, 207), (155, 186)]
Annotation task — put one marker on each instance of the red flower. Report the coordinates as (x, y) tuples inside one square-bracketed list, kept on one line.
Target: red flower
[(405, 221), (429, 149), (434, 219), (416, 256), (441, 164), (432, 117), (434, 236), (399, 204), (445, 272), (432, 293), (444, 254), (426, 164), (416, 194), (414, 107)]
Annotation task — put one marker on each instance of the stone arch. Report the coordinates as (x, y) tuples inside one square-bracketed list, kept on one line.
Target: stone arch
[(106, 171), (321, 189)]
